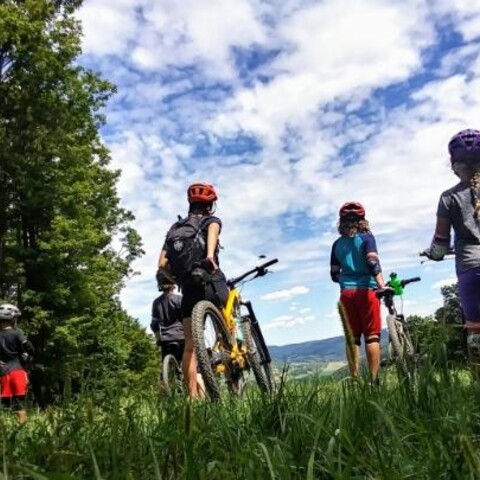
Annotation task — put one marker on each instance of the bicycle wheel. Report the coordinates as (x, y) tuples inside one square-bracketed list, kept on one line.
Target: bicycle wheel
[(211, 343), (171, 374), (403, 352), (263, 373)]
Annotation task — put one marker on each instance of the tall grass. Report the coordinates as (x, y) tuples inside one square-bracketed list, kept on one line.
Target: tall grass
[(308, 430)]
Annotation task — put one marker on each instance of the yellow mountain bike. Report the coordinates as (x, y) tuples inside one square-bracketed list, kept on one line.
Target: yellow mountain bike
[(228, 342)]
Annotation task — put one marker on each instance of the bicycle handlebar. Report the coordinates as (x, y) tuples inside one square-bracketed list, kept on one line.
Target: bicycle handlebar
[(410, 280), (260, 271), (390, 290)]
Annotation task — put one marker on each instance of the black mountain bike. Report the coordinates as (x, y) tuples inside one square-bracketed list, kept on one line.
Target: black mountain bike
[(401, 347)]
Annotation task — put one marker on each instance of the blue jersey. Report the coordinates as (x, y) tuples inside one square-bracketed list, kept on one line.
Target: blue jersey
[(350, 254)]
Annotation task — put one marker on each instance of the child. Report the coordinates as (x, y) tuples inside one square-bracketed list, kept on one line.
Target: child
[(355, 265), (459, 207), (14, 350)]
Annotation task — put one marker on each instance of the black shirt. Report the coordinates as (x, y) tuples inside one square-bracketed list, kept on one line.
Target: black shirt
[(12, 345), (167, 317)]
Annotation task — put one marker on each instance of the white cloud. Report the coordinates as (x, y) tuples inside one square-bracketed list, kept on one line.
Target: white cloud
[(302, 109), (286, 294), (443, 283), (288, 321)]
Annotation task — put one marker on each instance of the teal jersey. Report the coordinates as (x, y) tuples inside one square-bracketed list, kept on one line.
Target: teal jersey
[(350, 254)]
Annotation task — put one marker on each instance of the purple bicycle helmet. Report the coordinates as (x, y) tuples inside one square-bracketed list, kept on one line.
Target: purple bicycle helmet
[(465, 144)]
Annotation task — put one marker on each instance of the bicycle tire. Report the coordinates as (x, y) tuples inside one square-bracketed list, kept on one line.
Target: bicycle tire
[(262, 376), (171, 374), (204, 358), (402, 346)]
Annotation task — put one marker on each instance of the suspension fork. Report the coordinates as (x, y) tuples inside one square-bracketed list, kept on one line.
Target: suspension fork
[(265, 354)]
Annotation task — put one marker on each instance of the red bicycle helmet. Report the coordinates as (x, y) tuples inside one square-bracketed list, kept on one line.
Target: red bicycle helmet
[(201, 192), (352, 209)]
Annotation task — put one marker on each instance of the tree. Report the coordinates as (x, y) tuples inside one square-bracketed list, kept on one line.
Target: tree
[(59, 209), (451, 316), (441, 336)]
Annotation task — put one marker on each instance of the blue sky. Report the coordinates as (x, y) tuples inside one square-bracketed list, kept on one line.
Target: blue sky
[(289, 108)]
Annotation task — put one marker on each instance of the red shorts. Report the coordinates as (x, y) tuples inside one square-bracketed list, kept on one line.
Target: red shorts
[(13, 384), (363, 311)]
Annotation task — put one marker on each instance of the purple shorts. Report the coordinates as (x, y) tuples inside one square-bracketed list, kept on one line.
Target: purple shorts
[(469, 292)]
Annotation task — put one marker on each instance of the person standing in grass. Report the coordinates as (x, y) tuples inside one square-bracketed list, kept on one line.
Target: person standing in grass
[(166, 322), (355, 265), (459, 207), (191, 241), (14, 351)]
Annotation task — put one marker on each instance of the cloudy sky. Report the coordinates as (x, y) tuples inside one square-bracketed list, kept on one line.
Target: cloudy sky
[(289, 108)]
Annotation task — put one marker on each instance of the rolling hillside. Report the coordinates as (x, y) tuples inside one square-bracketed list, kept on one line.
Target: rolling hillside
[(318, 351)]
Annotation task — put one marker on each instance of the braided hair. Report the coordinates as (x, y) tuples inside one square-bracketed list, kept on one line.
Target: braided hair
[(474, 194)]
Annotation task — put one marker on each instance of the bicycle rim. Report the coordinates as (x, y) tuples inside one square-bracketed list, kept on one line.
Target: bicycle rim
[(171, 374), (402, 348)]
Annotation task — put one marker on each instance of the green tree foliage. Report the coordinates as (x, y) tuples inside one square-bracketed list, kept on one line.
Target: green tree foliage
[(441, 336), (450, 315), (59, 210)]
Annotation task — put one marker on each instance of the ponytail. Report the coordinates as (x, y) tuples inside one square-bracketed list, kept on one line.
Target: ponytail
[(474, 194)]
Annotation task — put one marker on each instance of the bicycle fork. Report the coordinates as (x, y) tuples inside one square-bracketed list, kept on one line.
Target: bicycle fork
[(257, 332)]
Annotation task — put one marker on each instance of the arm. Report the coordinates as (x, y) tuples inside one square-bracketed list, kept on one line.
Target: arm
[(335, 266), (441, 239), (376, 269), (373, 260), (163, 265), (155, 323), (212, 242), (162, 259)]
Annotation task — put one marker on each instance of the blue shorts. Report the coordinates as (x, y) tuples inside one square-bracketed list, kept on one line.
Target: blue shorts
[(469, 292)]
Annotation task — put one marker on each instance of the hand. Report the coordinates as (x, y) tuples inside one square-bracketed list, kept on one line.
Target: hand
[(212, 262), (428, 253)]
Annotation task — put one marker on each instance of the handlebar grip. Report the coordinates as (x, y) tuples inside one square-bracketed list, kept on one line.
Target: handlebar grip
[(270, 262)]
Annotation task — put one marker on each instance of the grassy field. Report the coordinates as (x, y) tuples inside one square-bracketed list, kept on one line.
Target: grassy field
[(322, 428)]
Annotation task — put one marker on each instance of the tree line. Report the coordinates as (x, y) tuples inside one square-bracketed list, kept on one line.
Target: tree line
[(60, 214)]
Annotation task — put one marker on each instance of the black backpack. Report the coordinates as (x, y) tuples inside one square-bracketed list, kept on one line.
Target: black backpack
[(185, 245)]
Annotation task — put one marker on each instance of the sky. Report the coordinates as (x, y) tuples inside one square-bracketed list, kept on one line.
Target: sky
[(290, 108)]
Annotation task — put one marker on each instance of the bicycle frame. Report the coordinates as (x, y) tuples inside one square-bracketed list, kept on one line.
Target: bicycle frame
[(231, 307), (231, 313)]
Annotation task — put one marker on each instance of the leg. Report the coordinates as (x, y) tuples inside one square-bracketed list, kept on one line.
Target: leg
[(18, 385), (189, 361), (351, 325), (372, 349), (372, 328), (469, 293), (18, 406)]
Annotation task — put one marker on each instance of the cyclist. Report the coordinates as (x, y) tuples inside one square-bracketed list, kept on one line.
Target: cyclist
[(189, 241), (459, 207), (355, 265), (14, 351), (166, 322)]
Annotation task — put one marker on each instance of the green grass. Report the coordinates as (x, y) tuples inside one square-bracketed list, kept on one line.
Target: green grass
[(322, 428)]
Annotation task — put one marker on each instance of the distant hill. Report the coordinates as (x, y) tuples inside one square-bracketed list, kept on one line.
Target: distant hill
[(321, 351)]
